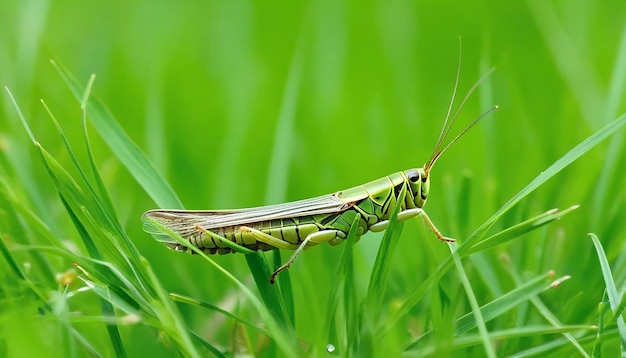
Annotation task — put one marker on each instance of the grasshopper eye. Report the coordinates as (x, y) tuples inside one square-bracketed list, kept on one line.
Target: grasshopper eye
[(414, 176)]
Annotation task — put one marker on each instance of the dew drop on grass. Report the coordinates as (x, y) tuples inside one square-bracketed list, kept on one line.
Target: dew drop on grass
[(330, 348)]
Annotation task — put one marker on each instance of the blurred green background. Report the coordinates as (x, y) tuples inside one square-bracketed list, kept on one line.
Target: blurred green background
[(241, 103)]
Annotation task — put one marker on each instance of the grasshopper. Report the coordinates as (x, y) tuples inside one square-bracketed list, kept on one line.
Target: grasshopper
[(304, 223)]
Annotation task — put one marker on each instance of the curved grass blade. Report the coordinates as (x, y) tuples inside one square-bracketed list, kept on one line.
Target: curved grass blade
[(611, 290), (160, 191), (520, 229), (384, 258), (65, 185), (122, 145), (98, 188), (476, 312), (270, 294), (279, 170)]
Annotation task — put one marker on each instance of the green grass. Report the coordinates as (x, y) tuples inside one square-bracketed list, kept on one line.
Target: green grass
[(227, 105)]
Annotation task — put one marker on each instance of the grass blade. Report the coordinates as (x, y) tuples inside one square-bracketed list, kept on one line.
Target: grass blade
[(279, 169), (343, 276), (520, 229), (611, 289), (471, 296), (382, 265), (122, 145)]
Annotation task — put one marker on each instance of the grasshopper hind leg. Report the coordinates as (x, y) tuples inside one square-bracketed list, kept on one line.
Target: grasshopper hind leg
[(314, 238)]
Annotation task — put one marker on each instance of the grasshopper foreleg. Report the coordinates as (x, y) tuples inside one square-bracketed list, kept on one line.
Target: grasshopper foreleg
[(409, 214), (433, 228)]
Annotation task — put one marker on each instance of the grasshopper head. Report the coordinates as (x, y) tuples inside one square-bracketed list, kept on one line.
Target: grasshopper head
[(419, 184)]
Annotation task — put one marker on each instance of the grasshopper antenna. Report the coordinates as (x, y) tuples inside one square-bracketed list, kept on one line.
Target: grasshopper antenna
[(449, 121)]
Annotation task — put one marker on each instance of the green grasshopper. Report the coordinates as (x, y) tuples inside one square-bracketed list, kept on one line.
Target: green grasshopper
[(304, 223)]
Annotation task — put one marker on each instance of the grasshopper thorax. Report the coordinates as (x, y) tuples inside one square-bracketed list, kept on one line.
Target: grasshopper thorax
[(418, 185)]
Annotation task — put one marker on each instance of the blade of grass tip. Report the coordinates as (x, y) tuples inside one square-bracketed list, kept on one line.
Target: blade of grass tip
[(567, 159), (20, 115), (97, 199), (53, 167), (21, 163), (121, 144), (102, 193), (545, 311), (124, 148), (611, 289), (520, 229), (480, 322), (66, 187), (99, 192), (279, 162)]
